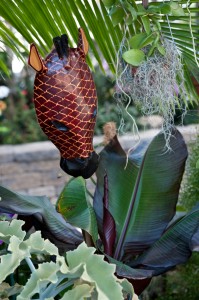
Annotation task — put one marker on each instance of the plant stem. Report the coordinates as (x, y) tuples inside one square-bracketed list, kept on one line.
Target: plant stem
[(88, 238), (145, 3), (30, 264), (53, 289)]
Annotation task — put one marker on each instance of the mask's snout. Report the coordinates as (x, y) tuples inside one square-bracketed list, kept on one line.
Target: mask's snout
[(84, 167)]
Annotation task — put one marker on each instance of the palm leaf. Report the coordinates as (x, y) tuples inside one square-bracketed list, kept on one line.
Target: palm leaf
[(39, 21)]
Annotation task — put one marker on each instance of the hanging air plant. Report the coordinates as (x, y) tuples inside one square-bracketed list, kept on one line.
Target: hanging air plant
[(150, 70), (156, 85)]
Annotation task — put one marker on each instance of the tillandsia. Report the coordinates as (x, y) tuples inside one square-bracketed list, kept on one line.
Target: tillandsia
[(156, 86), (150, 69), (66, 103)]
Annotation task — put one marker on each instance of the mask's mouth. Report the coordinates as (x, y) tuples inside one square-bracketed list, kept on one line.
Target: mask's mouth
[(84, 167)]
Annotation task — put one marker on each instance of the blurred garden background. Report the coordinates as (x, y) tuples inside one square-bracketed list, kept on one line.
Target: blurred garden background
[(22, 22)]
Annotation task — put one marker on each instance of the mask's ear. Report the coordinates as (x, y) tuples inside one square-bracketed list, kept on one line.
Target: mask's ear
[(82, 41), (35, 60)]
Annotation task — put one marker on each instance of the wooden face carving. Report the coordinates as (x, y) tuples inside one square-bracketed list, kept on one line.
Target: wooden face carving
[(66, 103)]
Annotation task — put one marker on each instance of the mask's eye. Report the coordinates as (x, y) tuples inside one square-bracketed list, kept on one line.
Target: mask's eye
[(94, 113), (60, 126)]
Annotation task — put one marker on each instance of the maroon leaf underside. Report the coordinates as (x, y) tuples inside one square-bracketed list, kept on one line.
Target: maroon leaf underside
[(109, 228)]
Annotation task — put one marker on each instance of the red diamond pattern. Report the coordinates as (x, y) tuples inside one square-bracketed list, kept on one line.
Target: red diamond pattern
[(66, 92)]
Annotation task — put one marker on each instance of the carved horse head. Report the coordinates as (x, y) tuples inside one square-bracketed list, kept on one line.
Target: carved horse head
[(66, 103)]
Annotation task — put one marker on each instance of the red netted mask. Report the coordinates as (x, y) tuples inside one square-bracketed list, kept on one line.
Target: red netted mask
[(66, 103)]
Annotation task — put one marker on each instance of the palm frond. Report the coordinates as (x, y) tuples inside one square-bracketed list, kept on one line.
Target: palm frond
[(39, 21)]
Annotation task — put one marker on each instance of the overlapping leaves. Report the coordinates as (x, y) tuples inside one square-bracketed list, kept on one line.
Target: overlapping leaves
[(142, 201), (40, 213), (83, 268), (104, 28), (142, 197)]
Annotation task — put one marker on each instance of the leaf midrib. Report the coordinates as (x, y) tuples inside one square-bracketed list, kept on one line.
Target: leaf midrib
[(120, 243)]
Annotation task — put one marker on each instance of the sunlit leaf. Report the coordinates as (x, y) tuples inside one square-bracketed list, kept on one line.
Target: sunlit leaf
[(82, 291), (106, 285), (73, 204), (176, 9), (134, 57)]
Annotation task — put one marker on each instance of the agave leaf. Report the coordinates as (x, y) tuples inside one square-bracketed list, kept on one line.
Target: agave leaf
[(174, 247), (48, 220), (147, 191), (73, 204)]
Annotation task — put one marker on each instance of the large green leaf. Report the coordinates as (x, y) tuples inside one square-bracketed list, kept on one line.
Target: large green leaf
[(73, 204), (174, 247), (142, 197), (44, 215)]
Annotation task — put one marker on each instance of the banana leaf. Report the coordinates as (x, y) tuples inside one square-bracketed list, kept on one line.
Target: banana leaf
[(41, 214), (174, 247), (74, 205), (142, 196)]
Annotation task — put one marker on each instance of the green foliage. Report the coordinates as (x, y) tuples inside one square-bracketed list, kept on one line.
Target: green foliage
[(181, 284), (197, 164), (107, 28), (143, 195), (18, 121), (134, 57), (82, 269), (39, 212), (23, 127), (75, 206), (190, 188), (143, 233)]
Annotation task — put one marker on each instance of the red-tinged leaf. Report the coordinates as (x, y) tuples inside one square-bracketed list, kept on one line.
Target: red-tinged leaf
[(142, 196), (109, 232)]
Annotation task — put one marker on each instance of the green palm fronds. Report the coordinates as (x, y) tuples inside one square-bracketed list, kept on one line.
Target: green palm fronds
[(40, 20)]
